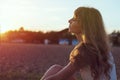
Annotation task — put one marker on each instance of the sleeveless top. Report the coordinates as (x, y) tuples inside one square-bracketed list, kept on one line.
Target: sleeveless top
[(85, 73)]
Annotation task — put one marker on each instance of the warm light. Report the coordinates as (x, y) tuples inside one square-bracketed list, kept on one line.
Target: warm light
[(3, 30), (2, 34)]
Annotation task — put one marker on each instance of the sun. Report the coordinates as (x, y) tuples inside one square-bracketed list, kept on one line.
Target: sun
[(2, 33), (3, 30)]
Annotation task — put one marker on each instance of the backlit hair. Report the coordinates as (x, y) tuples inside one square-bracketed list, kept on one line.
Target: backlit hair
[(92, 29)]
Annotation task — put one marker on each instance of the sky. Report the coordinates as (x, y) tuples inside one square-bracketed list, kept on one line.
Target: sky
[(53, 15)]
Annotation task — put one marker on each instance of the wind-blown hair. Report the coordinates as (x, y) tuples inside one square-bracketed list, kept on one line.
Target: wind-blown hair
[(92, 29)]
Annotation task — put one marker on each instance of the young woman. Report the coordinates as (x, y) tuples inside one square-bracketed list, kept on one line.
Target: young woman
[(92, 56)]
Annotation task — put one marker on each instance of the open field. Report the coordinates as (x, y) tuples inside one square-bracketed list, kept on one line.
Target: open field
[(30, 61)]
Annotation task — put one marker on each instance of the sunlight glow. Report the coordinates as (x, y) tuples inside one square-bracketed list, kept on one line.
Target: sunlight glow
[(50, 15), (3, 30)]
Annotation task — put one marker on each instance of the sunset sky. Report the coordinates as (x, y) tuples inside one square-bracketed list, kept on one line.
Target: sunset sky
[(47, 15)]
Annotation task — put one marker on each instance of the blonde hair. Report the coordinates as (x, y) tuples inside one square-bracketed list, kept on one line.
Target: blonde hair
[(92, 28)]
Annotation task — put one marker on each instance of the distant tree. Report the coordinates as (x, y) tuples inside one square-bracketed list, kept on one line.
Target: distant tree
[(115, 38), (21, 29)]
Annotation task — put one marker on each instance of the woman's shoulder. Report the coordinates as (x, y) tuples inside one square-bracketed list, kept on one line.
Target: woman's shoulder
[(84, 50), (85, 47), (82, 44), (82, 54)]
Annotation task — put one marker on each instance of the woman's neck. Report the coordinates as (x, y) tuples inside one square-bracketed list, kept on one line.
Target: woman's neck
[(79, 37)]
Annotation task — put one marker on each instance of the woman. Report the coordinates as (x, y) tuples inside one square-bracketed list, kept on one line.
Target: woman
[(91, 57)]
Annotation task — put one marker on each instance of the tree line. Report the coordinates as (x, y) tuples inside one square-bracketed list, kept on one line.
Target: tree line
[(37, 37), (53, 36)]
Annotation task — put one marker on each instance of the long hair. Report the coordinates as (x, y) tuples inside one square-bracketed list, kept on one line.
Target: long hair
[(92, 29)]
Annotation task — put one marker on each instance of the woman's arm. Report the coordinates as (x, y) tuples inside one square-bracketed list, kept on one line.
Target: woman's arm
[(64, 74)]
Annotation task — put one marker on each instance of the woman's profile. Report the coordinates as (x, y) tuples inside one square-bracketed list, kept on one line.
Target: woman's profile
[(92, 57)]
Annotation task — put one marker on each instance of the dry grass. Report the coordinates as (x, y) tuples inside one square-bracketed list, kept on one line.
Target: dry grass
[(30, 61)]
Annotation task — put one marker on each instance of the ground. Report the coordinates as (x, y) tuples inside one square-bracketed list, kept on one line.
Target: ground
[(30, 61)]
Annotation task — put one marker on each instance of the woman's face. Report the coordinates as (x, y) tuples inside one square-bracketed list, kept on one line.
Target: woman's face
[(74, 26)]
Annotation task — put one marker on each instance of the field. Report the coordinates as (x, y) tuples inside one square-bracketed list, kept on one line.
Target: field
[(30, 61)]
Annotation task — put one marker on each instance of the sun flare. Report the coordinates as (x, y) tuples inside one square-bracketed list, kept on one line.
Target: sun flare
[(3, 30)]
